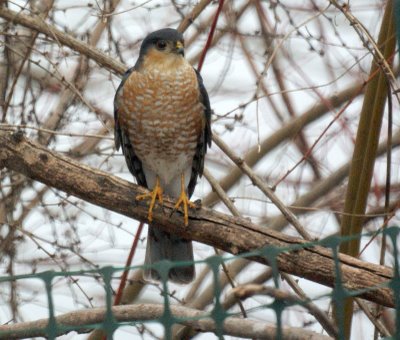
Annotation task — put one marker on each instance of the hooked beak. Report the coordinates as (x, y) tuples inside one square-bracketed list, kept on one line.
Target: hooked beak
[(180, 48)]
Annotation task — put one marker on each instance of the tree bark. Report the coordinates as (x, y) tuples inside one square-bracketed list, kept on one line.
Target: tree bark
[(231, 234)]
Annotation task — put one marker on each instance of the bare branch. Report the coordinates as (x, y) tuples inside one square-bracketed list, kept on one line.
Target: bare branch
[(142, 312), (287, 131), (259, 183), (232, 234), (38, 25), (246, 291), (188, 20)]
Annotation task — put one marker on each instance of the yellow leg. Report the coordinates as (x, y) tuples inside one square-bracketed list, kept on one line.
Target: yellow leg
[(184, 200), (153, 195)]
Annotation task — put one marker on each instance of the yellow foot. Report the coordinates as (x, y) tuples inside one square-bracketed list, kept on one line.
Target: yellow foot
[(152, 196), (184, 200)]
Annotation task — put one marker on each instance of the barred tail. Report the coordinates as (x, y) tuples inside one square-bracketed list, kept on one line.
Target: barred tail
[(164, 246)]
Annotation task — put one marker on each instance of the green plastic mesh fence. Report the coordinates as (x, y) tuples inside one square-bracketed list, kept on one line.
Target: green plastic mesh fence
[(218, 314)]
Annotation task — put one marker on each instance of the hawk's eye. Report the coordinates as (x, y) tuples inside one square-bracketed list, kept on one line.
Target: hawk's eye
[(161, 44)]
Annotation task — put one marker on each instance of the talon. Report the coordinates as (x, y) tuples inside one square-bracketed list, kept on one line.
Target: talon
[(184, 200), (155, 194)]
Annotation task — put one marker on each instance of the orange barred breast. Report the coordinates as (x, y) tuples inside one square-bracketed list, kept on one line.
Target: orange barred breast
[(163, 116)]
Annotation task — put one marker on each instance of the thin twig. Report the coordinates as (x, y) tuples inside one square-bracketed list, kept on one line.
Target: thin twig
[(221, 193), (185, 23), (292, 219), (246, 291)]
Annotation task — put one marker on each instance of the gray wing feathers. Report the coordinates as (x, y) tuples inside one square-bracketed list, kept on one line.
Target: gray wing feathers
[(204, 140), (122, 140)]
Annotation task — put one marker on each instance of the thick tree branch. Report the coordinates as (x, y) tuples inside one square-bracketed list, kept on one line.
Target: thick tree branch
[(231, 234), (79, 320)]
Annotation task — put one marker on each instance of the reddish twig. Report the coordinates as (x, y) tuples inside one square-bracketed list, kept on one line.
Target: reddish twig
[(128, 264), (210, 36)]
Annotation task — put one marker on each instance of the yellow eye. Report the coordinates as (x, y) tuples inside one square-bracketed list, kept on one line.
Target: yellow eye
[(161, 44)]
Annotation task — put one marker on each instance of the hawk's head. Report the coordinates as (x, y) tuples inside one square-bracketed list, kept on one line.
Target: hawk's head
[(163, 50)]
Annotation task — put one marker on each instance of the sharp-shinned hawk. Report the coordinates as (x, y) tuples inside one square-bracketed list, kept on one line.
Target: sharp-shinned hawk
[(162, 122)]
